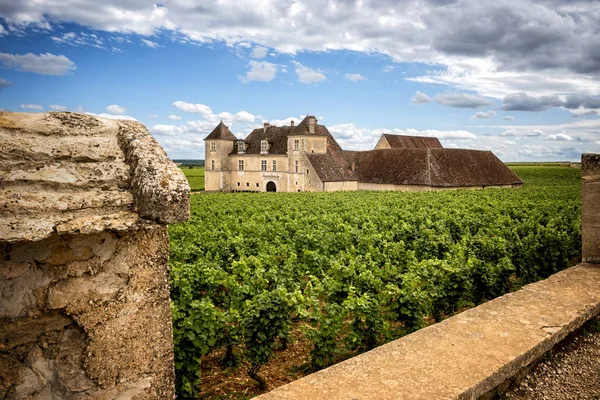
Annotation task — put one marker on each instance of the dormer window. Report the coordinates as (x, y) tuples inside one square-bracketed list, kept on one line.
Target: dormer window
[(264, 146), (241, 147)]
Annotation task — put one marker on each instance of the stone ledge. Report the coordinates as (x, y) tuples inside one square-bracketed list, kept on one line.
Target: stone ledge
[(468, 355)]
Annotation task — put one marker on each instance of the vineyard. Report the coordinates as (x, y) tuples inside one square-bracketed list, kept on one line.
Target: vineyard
[(195, 177), (342, 273)]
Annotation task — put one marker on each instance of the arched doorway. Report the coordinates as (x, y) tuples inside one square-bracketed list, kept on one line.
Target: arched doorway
[(271, 186)]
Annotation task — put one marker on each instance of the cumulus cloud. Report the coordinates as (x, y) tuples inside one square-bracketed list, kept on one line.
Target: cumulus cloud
[(31, 107), (45, 64), (150, 43), (308, 75), (259, 52), (484, 115), (550, 153), (261, 71), (461, 100), (152, 116), (508, 118), (112, 116), (115, 109), (560, 137), (522, 133), (420, 98), (192, 108), (56, 107), (174, 117), (4, 83), (355, 77), (524, 102)]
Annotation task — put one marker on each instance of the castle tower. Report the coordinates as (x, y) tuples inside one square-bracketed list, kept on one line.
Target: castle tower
[(218, 145), (306, 138)]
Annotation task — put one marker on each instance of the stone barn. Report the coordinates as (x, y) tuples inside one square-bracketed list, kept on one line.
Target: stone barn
[(84, 285)]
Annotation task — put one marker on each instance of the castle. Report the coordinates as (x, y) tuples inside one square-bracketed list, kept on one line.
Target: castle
[(306, 157)]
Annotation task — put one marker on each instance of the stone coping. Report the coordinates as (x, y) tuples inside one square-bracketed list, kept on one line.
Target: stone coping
[(468, 355)]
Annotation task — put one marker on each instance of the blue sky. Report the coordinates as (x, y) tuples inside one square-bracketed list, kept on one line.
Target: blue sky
[(518, 78)]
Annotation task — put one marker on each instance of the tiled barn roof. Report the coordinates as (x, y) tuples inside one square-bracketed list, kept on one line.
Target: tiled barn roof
[(433, 167), (409, 142), (74, 173)]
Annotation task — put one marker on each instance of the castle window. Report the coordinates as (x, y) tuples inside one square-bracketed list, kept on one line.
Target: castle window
[(257, 185), (238, 184), (247, 183), (212, 164), (296, 165), (264, 146), (213, 147), (306, 172), (274, 165), (263, 165), (296, 144), (241, 165)]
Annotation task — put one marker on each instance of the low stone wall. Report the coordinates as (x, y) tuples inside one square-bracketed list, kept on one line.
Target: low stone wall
[(590, 210), (86, 317)]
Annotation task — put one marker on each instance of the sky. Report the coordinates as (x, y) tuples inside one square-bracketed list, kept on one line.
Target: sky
[(520, 78)]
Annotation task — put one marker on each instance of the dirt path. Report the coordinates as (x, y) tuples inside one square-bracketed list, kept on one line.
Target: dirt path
[(571, 373)]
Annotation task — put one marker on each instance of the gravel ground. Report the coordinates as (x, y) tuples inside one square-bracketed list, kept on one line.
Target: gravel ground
[(573, 372)]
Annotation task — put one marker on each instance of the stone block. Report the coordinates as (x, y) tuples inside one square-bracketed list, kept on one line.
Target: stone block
[(69, 362), (27, 330), (590, 211), (99, 287)]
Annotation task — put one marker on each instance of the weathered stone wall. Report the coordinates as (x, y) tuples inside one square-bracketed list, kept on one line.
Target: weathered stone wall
[(86, 317), (590, 210)]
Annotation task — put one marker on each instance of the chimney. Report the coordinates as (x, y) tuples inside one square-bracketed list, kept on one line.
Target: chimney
[(311, 124), (266, 125), (292, 123)]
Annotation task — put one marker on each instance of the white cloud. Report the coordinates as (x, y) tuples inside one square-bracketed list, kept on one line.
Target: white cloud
[(150, 43), (461, 100), (192, 108), (152, 116), (116, 109), (508, 118), (388, 68), (261, 71), (307, 75), (79, 39), (4, 83), (259, 52), (522, 133), (3, 31), (355, 77), (560, 137), (484, 114), (168, 130), (31, 107), (112, 116), (420, 98), (57, 107), (174, 117), (45, 64)]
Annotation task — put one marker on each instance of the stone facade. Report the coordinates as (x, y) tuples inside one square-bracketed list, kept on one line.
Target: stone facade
[(84, 280), (590, 214)]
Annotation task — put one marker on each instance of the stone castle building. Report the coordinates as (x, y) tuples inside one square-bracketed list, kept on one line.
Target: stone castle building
[(84, 281), (306, 157)]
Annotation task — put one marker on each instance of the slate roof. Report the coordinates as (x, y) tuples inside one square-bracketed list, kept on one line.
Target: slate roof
[(74, 173), (433, 167), (221, 132), (408, 142), (278, 137)]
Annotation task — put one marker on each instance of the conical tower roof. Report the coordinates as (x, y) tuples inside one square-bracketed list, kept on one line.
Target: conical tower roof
[(221, 132)]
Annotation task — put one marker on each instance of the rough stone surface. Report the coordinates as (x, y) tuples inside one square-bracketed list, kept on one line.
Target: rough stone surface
[(590, 212), (75, 173), (87, 317), (465, 356), (156, 181)]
